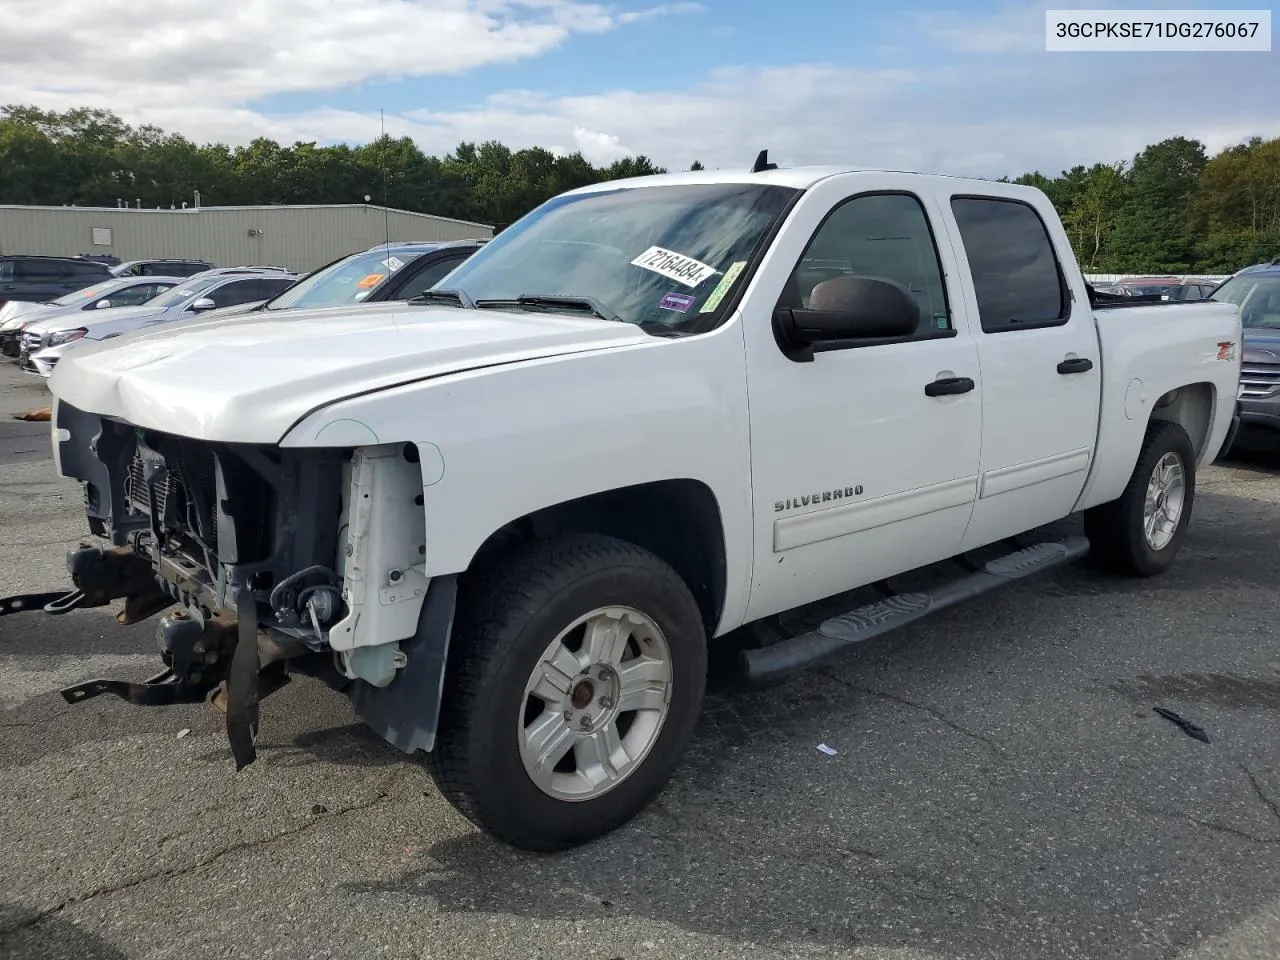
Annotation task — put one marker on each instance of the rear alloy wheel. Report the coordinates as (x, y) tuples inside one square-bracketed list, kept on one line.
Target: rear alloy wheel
[(575, 678), (1141, 532)]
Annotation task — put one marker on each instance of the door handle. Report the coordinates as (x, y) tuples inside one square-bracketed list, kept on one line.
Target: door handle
[(1075, 365), (948, 386)]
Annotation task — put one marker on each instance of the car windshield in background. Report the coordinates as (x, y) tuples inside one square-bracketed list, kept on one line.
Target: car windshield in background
[(348, 281), (656, 256), (85, 295), (1257, 297), (183, 292)]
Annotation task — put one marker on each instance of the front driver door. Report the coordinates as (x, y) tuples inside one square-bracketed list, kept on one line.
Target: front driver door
[(857, 472)]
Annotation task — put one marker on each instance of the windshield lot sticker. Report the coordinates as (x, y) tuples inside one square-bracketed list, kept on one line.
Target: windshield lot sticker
[(370, 281), (393, 263), (674, 266), (723, 286), (679, 302)]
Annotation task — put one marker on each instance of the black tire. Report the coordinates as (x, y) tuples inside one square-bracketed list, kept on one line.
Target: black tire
[(1117, 540), (507, 614)]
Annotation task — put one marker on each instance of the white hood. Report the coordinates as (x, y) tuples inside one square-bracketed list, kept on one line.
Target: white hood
[(16, 312), (250, 379)]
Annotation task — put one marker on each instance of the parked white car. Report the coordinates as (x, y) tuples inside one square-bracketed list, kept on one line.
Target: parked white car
[(44, 342), (646, 415), (17, 315)]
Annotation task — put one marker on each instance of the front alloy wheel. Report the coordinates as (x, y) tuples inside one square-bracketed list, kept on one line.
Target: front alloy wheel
[(575, 678), (595, 703)]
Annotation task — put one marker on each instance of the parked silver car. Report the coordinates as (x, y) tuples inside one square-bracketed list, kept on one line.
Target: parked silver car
[(42, 343)]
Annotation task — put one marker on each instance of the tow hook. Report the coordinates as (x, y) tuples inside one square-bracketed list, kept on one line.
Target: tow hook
[(194, 654)]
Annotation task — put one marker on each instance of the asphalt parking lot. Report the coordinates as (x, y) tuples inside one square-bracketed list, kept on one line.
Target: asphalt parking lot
[(1001, 789)]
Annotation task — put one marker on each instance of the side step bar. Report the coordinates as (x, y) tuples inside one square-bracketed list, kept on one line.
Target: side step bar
[(836, 635)]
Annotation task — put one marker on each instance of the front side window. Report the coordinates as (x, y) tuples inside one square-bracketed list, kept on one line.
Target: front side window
[(1257, 297), (137, 294), (235, 293), (85, 294), (184, 292), (428, 277), (664, 257), (883, 237), (1015, 271)]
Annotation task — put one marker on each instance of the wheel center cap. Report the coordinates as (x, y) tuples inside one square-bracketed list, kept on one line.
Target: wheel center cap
[(583, 694)]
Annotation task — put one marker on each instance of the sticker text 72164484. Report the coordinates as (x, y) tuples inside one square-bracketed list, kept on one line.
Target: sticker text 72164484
[(674, 266)]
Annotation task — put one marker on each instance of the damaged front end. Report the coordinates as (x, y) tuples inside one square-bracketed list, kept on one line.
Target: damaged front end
[(271, 561)]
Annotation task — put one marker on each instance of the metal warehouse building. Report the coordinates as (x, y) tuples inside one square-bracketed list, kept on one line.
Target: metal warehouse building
[(298, 237)]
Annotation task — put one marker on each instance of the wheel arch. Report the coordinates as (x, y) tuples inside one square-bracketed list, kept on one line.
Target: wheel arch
[(1190, 407), (678, 520)]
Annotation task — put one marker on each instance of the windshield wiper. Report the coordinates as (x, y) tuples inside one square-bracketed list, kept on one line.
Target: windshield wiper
[(454, 297), (588, 304)]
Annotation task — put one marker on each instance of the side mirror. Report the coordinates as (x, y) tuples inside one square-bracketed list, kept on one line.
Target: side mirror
[(850, 308), (102, 304), (204, 303)]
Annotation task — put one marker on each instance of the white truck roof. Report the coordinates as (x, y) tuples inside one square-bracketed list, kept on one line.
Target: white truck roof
[(802, 178)]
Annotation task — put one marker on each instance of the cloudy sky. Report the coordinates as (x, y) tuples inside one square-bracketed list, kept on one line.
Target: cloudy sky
[(913, 84)]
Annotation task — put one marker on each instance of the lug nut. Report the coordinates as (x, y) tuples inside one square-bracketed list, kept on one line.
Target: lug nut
[(605, 673), (606, 702), (585, 721), (568, 716)]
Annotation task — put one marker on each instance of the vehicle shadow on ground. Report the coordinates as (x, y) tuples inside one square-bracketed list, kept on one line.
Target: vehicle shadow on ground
[(51, 939), (997, 793)]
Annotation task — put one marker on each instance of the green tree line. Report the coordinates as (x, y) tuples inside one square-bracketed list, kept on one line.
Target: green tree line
[(1171, 208)]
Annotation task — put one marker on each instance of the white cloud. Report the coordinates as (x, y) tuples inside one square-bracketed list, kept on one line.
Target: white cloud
[(600, 149), (666, 10), (170, 53), (978, 114)]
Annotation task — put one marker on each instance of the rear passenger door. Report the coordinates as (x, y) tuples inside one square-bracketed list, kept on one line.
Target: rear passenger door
[(1041, 370)]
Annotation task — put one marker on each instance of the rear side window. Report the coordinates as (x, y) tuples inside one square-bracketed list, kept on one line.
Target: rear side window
[(6, 271), (1016, 277), (43, 271)]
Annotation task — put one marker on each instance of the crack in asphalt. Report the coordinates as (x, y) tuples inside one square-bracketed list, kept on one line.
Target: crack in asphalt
[(1214, 826), (1261, 794), (923, 708), (42, 915)]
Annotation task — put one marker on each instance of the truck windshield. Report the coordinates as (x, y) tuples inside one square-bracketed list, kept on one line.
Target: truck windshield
[(1257, 297), (349, 280), (659, 256)]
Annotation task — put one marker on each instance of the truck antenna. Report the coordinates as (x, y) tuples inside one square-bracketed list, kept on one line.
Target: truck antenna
[(762, 162)]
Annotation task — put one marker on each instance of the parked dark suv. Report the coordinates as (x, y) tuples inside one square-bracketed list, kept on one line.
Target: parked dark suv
[(161, 268), (41, 279), (1257, 293)]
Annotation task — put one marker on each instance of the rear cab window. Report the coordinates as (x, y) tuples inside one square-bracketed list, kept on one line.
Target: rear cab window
[(1017, 279)]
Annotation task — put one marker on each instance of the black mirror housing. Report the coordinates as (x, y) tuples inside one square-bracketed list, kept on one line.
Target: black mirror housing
[(851, 308)]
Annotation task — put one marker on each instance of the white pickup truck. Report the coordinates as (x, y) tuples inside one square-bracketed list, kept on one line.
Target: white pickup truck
[(509, 521)]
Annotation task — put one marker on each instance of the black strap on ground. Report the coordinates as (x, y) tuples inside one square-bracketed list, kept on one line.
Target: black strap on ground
[(242, 686), (26, 602)]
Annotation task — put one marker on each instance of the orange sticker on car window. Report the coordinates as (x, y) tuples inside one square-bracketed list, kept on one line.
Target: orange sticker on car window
[(370, 281)]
